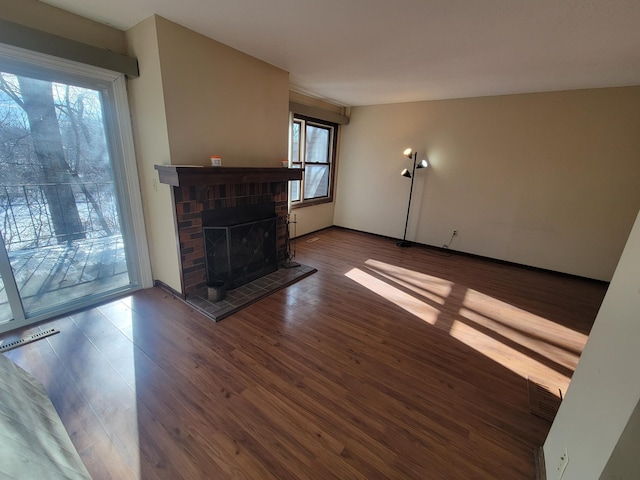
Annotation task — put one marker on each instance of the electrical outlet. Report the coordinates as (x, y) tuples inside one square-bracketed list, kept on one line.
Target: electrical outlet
[(455, 232), (562, 465)]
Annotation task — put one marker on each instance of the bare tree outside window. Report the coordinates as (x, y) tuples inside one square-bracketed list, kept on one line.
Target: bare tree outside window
[(63, 134), (56, 174)]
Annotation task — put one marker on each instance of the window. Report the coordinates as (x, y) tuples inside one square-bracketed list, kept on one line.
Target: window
[(313, 146)]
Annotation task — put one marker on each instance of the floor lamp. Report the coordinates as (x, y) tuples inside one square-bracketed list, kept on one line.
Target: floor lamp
[(409, 153)]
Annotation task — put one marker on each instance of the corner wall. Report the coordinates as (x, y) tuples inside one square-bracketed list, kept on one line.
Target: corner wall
[(313, 218), (604, 392), (196, 97), (624, 461), (548, 180), (152, 147)]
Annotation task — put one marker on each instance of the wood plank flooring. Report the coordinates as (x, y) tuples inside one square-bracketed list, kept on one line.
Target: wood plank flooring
[(386, 363)]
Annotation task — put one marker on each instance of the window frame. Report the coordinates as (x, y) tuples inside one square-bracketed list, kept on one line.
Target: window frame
[(304, 120)]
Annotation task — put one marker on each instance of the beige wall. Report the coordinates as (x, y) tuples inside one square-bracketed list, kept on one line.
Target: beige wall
[(548, 180), (312, 219), (196, 97), (46, 18), (602, 400), (152, 147), (221, 101)]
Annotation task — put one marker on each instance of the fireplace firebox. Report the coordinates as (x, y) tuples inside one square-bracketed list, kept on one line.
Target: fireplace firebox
[(240, 244)]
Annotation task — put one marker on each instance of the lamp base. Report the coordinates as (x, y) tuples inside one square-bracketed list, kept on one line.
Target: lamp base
[(404, 243)]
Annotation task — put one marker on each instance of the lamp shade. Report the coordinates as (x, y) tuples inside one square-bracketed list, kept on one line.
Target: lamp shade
[(408, 152), (422, 164), (405, 173)]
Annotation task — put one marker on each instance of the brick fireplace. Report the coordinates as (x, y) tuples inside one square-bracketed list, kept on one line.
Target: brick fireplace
[(197, 190)]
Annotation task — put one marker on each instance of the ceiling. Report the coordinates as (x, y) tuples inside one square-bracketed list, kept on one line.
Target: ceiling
[(364, 52)]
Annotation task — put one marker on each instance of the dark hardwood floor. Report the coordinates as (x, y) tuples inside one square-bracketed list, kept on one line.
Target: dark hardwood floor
[(386, 363)]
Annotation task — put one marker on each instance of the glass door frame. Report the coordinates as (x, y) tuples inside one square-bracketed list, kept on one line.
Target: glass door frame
[(112, 86), (11, 289)]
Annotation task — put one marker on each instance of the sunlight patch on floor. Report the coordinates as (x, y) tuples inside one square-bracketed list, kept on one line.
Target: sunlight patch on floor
[(529, 323), (548, 339), (405, 301), (521, 341), (510, 358), (434, 288), (120, 314)]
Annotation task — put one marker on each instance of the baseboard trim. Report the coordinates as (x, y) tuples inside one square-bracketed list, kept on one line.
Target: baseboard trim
[(300, 237), (541, 469), (164, 286), (450, 252)]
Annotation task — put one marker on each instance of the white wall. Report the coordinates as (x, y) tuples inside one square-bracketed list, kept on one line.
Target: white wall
[(548, 180), (604, 390)]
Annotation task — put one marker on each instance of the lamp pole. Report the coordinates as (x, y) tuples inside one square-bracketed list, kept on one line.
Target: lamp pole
[(404, 242)]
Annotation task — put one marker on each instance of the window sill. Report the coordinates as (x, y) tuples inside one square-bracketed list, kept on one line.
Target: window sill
[(311, 203)]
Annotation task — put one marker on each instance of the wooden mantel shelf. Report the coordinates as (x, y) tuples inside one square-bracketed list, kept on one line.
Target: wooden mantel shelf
[(180, 175)]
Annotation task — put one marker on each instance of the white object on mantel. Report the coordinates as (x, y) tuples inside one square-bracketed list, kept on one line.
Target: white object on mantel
[(216, 160)]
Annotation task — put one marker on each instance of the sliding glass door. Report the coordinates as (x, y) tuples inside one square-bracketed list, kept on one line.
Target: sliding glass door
[(9, 298), (64, 242), (5, 311)]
